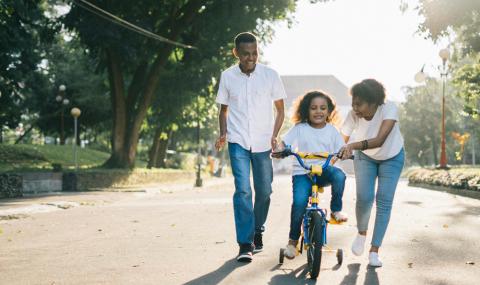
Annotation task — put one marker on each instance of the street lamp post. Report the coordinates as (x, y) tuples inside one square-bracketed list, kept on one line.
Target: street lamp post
[(63, 102), (444, 55), (419, 78), (75, 113)]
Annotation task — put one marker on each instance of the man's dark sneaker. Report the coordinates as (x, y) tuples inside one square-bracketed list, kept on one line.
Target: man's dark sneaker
[(246, 252), (257, 241)]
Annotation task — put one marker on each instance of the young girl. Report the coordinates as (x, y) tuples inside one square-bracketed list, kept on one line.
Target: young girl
[(313, 132)]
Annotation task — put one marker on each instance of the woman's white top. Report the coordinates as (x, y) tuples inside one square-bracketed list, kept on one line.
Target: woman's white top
[(364, 130)]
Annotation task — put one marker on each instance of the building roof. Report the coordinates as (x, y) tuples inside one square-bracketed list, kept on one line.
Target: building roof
[(298, 85)]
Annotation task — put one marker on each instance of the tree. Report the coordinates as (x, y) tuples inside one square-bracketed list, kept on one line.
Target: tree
[(135, 63), (68, 63), (467, 80), (420, 123), (25, 30), (444, 16)]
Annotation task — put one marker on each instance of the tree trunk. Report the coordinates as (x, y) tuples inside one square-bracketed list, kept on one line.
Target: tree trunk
[(127, 122), (162, 152), (118, 157), (152, 154)]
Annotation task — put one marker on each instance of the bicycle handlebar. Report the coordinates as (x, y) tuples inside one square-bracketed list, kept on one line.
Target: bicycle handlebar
[(300, 156)]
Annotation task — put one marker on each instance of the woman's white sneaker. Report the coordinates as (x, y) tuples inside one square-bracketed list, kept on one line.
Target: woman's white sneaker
[(358, 245), (374, 259)]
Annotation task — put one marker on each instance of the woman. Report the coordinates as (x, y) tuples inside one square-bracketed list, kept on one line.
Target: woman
[(379, 155)]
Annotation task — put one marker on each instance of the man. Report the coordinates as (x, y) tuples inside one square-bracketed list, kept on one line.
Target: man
[(246, 93)]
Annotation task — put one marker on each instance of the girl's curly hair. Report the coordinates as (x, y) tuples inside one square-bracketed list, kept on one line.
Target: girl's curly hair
[(302, 107)]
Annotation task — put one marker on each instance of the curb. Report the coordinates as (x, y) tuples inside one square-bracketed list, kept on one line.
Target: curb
[(455, 191)]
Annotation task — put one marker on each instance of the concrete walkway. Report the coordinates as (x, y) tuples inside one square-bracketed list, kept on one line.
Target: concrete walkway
[(177, 234)]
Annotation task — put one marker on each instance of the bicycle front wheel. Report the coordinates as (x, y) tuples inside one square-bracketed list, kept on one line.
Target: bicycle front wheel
[(316, 229)]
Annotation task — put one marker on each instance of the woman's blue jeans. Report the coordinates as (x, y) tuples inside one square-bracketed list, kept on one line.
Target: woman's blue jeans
[(250, 217), (302, 189), (367, 172)]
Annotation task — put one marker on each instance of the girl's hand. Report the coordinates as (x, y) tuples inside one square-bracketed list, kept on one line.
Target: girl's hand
[(345, 152)]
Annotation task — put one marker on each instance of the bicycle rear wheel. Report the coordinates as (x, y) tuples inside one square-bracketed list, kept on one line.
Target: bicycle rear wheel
[(314, 253)]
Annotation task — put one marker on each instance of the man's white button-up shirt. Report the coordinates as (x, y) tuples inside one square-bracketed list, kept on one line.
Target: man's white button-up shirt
[(250, 100)]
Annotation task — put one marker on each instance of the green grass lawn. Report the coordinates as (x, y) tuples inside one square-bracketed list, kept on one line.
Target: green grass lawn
[(41, 157)]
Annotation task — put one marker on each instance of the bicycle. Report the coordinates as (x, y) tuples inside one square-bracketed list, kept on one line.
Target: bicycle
[(314, 226)]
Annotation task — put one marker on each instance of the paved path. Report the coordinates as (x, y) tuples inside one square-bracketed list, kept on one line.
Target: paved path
[(181, 235)]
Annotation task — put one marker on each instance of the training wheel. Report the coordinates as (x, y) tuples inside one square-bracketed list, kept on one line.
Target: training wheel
[(339, 256), (281, 256)]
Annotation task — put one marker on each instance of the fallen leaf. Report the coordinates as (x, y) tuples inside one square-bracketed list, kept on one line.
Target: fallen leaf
[(99, 230), (445, 226), (470, 263), (410, 265)]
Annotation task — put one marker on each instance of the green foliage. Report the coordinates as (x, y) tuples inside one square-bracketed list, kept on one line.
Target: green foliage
[(467, 81), (68, 63), (141, 68), (421, 119), (463, 16), (35, 157), (25, 29)]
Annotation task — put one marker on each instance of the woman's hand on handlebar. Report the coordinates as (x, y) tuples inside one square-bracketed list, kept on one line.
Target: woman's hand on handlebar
[(345, 152)]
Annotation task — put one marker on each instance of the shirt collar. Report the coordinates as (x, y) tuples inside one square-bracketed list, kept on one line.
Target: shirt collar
[(239, 71)]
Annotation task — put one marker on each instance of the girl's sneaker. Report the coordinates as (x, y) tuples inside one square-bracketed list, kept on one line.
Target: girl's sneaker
[(291, 249), (358, 245), (339, 217), (374, 259)]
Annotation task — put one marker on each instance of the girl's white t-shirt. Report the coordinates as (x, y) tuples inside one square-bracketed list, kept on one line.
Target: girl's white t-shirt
[(364, 130), (302, 137)]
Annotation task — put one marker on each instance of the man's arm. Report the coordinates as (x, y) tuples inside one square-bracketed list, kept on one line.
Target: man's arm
[(222, 121), (279, 117)]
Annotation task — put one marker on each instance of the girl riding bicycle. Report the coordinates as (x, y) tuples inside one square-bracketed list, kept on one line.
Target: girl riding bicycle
[(313, 132)]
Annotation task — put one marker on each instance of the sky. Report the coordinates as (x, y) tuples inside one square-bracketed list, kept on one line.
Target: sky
[(354, 40)]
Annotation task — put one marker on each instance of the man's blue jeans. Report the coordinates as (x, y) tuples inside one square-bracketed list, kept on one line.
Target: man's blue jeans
[(367, 171), (302, 189), (250, 218)]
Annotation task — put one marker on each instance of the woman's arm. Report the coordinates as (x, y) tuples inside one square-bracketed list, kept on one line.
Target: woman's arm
[(385, 129)]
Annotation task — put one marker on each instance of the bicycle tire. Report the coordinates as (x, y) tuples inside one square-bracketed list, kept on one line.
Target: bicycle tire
[(314, 252)]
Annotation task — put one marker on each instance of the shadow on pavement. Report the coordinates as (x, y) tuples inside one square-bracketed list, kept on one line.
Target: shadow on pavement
[(291, 278), (352, 276), (218, 275), (371, 277)]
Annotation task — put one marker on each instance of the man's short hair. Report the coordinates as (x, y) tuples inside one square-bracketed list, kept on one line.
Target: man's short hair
[(245, 37)]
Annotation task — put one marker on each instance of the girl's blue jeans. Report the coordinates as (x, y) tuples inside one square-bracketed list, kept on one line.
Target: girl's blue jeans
[(302, 189), (367, 172), (250, 217)]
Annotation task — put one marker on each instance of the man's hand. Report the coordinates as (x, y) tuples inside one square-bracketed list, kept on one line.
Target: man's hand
[(274, 142), (220, 142)]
